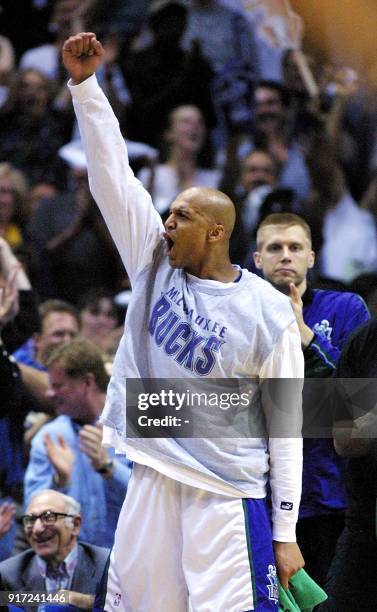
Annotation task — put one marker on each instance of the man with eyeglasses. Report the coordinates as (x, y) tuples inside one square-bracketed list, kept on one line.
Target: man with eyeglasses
[(56, 559)]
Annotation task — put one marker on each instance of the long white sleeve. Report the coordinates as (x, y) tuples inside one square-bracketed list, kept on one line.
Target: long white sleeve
[(126, 206), (286, 362)]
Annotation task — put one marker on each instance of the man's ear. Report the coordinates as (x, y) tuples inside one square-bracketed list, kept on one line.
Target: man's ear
[(76, 521), (216, 232), (311, 259), (89, 379), (257, 260)]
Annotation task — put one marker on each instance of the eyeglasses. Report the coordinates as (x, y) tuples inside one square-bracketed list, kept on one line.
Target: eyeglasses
[(47, 518)]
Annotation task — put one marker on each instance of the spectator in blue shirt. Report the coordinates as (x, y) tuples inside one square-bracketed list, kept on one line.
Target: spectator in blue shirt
[(66, 454), (325, 320)]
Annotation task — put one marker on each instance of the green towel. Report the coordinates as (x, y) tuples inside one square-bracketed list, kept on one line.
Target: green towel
[(303, 594), (286, 601)]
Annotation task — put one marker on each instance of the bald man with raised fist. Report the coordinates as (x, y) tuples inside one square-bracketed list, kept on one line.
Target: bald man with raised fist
[(194, 532)]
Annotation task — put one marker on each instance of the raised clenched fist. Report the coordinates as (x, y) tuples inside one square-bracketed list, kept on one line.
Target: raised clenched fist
[(82, 55)]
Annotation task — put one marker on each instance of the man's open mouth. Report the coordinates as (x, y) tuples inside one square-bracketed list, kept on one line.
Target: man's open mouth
[(169, 243)]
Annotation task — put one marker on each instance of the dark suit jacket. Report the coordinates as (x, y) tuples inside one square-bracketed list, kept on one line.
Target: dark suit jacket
[(21, 572)]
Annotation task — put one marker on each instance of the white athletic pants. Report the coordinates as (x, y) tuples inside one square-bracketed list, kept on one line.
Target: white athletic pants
[(179, 548)]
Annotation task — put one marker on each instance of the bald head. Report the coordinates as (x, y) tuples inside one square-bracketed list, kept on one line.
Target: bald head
[(215, 204), (197, 233), (56, 501)]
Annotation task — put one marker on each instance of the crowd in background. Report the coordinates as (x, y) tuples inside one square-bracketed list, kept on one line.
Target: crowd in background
[(201, 99)]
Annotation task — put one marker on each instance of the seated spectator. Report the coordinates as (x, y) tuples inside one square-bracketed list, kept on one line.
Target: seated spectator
[(59, 322), (184, 139), (13, 206), (163, 76), (56, 559), (99, 319), (67, 455)]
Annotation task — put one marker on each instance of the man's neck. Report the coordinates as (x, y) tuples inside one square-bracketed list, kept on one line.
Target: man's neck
[(225, 273), (302, 287), (55, 563)]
